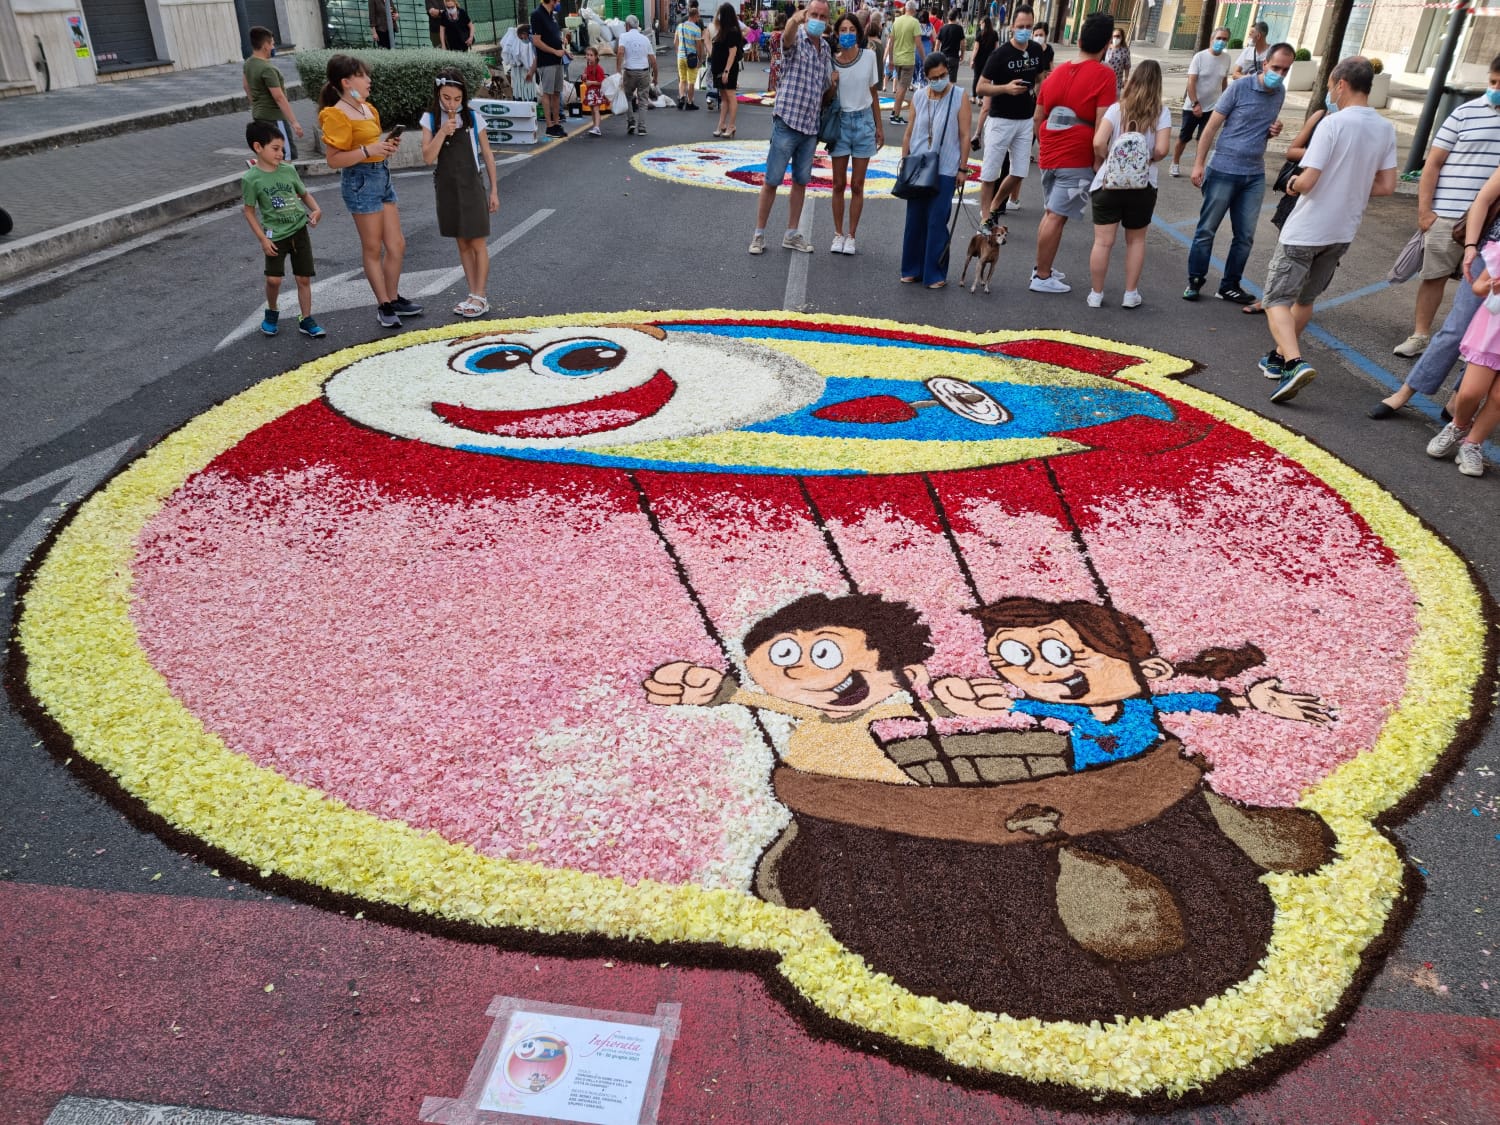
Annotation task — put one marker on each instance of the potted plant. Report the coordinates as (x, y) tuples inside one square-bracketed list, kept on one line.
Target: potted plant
[(1304, 71), (1380, 89)]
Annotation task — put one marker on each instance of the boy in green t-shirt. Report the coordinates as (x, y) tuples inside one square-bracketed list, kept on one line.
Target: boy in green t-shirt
[(280, 209)]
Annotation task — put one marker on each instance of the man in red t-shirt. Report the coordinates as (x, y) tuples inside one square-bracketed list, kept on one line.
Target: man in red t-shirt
[(1072, 99)]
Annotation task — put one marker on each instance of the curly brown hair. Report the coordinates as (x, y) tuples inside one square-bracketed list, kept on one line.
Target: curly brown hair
[(893, 629)]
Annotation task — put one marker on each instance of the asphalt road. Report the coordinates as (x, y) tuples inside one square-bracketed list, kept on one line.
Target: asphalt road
[(105, 360)]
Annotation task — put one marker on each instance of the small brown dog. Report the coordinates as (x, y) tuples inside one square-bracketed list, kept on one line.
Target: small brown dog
[(986, 248)]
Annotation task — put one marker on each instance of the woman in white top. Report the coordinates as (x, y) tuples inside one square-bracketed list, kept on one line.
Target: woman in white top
[(856, 77), (1132, 137), (939, 123)]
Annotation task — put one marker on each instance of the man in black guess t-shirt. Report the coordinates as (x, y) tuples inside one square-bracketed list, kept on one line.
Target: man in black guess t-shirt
[(1011, 76)]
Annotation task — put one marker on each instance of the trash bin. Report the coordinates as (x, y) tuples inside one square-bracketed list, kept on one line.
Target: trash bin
[(1453, 97)]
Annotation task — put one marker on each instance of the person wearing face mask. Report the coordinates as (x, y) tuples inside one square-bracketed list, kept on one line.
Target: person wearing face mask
[(1117, 58), (1252, 59), (1234, 181), (1009, 81), (1463, 154), (806, 71), (940, 123), (1351, 158), (457, 29), (1208, 74)]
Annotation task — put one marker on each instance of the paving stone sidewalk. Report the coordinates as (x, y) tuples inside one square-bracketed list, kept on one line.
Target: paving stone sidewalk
[(63, 112)]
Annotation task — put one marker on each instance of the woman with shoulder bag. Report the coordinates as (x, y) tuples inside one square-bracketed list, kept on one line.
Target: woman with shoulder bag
[(939, 126)]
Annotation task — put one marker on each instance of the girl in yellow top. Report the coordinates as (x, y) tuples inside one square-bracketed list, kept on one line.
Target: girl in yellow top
[(351, 138)]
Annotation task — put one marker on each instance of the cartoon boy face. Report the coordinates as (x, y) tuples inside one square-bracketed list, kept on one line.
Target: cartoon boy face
[(1052, 663), (833, 669)]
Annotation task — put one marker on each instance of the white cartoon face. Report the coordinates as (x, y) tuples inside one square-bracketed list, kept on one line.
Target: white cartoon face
[(570, 388)]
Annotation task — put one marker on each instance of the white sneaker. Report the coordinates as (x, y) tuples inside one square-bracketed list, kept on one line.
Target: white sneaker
[(1013, 205), (1049, 285), (1175, 171), (1413, 345), (848, 244), (1131, 300), (1470, 460), (758, 244), (796, 240), (1448, 439), (1096, 299), (838, 245), (1057, 273)]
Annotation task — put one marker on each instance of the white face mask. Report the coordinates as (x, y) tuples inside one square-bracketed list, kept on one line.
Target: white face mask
[(1492, 304)]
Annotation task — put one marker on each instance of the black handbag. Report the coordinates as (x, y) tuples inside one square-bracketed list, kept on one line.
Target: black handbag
[(828, 123), (1288, 169), (917, 174)]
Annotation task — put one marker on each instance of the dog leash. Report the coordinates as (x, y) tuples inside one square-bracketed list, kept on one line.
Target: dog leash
[(953, 224)]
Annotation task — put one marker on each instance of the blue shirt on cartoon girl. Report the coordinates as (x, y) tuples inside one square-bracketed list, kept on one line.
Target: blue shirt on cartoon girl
[(1096, 742)]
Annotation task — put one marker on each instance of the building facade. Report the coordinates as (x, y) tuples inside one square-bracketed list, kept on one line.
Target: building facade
[(1406, 35), (48, 44)]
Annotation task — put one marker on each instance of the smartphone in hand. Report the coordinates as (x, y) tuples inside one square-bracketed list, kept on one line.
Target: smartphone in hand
[(395, 134)]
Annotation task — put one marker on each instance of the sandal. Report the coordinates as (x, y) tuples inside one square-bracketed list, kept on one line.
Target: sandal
[(938, 285), (1255, 308), (478, 306), (463, 307), (908, 280)]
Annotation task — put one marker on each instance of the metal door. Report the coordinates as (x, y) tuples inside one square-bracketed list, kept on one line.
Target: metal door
[(121, 33), (262, 13)]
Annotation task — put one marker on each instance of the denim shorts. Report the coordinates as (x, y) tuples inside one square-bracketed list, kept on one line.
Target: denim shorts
[(791, 147), (856, 135), (366, 188)]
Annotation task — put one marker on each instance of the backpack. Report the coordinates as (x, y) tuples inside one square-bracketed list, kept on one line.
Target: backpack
[(1128, 165)]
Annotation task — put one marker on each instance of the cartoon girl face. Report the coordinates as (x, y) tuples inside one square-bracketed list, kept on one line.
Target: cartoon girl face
[(833, 669), (1052, 663), (570, 388)]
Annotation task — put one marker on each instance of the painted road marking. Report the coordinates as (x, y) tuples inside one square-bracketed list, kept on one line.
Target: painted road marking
[(795, 297), (71, 483), (109, 1111), (349, 290)]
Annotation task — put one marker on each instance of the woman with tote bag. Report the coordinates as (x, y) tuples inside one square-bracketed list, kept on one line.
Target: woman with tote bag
[(939, 126)]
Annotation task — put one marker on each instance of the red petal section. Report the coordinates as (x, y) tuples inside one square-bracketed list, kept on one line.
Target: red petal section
[(1141, 435), (1095, 361), (594, 416), (870, 409)]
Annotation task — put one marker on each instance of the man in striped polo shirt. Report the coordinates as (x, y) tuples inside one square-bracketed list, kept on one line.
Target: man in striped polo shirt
[(1463, 154)]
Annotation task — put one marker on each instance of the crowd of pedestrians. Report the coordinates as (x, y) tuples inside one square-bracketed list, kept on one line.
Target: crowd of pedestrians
[(1097, 126)]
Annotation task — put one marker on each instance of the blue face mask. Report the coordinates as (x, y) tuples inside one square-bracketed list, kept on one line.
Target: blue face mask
[(816, 28), (848, 39), (1333, 106), (1493, 97), (1219, 45), (1273, 80), (1021, 35), (938, 85)]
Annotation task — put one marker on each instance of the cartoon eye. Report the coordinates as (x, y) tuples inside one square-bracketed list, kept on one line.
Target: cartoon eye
[(1056, 653), (826, 654), (489, 358), (785, 652), (578, 358), (1014, 652)]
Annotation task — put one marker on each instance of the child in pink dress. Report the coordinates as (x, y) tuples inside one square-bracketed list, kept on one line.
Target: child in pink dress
[(1476, 406), (593, 96)]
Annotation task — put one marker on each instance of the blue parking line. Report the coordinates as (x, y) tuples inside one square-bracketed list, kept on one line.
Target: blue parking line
[(1420, 403)]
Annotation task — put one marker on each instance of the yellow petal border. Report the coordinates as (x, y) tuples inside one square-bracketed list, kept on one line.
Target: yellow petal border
[(85, 667)]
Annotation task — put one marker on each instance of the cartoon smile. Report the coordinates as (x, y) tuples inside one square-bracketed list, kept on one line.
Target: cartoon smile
[(598, 415), (850, 692), (1075, 686)]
